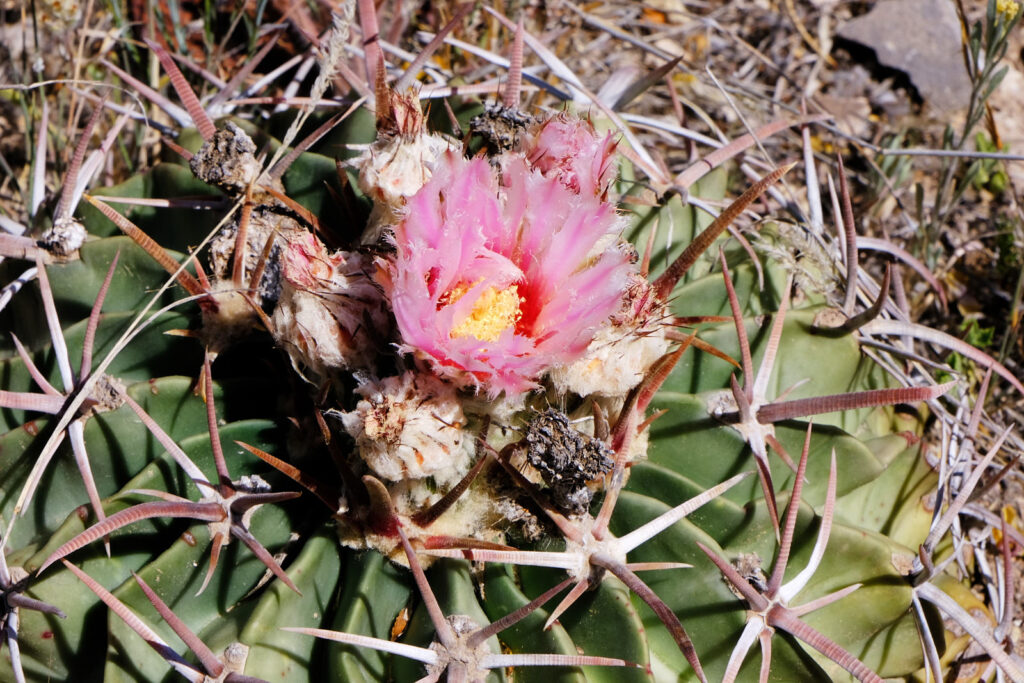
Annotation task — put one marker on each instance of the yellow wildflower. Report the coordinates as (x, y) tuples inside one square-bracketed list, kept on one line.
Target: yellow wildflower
[(1008, 9)]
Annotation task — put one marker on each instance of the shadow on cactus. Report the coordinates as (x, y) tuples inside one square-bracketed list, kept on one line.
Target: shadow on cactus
[(504, 378)]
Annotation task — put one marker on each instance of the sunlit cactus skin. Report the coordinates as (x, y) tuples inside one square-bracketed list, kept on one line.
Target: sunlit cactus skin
[(529, 431)]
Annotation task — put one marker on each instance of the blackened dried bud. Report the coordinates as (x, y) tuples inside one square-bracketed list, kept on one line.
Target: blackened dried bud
[(501, 127), (228, 160), (566, 459)]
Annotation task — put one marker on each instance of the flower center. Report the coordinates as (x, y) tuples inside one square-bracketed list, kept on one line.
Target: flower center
[(495, 311)]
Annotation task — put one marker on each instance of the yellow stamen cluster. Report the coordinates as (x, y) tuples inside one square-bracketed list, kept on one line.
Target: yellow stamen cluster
[(494, 312), (1008, 8)]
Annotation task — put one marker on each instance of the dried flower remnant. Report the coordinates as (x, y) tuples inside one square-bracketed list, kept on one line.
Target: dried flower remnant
[(492, 284), (410, 427), (501, 128), (566, 459), (228, 160), (330, 315)]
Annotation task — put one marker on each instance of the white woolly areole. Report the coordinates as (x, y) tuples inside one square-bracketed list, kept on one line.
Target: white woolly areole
[(394, 169), (411, 427), (65, 237), (615, 362), (476, 514)]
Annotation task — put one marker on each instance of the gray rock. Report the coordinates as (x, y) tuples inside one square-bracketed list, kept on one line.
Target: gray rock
[(922, 39)]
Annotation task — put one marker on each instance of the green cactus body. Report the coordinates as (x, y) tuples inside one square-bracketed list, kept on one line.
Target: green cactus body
[(881, 485)]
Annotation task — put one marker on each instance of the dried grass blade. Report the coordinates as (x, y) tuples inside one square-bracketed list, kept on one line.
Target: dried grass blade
[(426, 52), (940, 528), (39, 162), (887, 247), (233, 85), (703, 166), (899, 328)]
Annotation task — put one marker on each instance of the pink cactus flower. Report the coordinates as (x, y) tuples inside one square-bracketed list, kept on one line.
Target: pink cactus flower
[(494, 283), (570, 150)]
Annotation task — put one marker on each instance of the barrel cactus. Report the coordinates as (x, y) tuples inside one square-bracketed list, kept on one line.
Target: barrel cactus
[(478, 408)]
